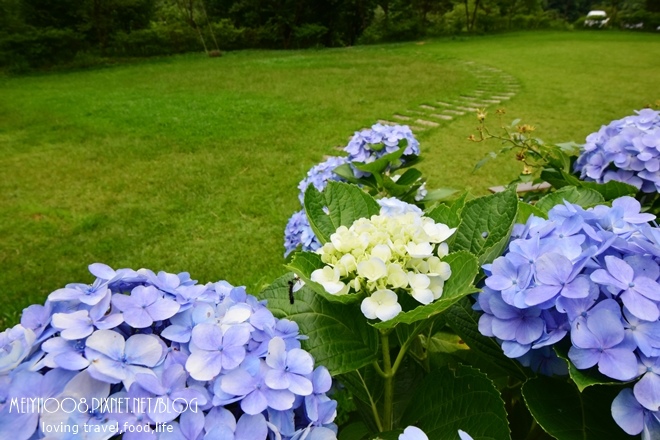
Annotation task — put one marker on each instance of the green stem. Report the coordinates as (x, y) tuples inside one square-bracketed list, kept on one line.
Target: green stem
[(388, 377), (374, 409)]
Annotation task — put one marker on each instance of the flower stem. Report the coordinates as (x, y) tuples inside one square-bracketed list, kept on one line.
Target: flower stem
[(388, 377)]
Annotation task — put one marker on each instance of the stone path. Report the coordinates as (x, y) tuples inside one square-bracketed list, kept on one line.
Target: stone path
[(494, 87)]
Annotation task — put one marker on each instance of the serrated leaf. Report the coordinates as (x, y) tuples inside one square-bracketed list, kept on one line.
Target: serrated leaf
[(565, 413), (465, 322), (581, 196), (444, 214), (525, 210), (464, 268), (612, 189), (583, 378), (345, 204), (486, 225), (339, 336), (448, 400), (303, 264)]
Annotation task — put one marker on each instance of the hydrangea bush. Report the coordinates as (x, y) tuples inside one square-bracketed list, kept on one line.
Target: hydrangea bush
[(373, 156), (589, 277), (626, 150), (159, 356)]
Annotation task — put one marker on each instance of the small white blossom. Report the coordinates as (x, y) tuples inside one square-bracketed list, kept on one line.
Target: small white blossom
[(382, 304)]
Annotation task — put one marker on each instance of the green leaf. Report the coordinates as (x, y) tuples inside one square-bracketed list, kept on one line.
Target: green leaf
[(339, 336), (444, 214), (525, 210), (444, 342), (581, 196), (354, 431), (439, 194), (488, 353), (486, 225), (583, 378), (612, 189), (345, 171), (379, 165), (464, 268), (490, 156), (345, 203), (303, 264), (565, 413), (411, 176), (448, 400)]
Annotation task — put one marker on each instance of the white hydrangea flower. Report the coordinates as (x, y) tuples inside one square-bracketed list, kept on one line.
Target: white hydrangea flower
[(393, 254)]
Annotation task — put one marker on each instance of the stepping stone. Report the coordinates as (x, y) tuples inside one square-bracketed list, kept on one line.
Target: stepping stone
[(384, 122), (444, 104), (479, 92), (427, 107), (471, 98), (467, 109), (454, 112), (500, 97), (427, 123), (509, 94), (443, 117), (491, 101), (403, 118)]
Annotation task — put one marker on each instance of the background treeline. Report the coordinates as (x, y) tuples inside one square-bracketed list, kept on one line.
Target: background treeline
[(42, 33)]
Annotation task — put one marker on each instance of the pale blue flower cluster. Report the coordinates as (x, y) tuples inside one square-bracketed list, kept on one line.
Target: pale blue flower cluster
[(319, 175), (158, 356), (593, 275), (298, 233), (368, 145), (626, 150)]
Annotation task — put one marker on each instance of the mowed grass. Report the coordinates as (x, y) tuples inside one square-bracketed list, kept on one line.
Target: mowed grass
[(191, 164)]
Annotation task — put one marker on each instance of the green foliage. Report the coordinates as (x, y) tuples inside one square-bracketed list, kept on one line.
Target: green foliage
[(486, 225), (339, 336), (345, 204), (448, 400), (568, 414)]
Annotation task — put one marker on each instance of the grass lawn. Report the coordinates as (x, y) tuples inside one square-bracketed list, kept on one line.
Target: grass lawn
[(191, 163)]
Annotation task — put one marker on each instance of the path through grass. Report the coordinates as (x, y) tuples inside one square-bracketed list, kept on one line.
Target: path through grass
[(190, 163)]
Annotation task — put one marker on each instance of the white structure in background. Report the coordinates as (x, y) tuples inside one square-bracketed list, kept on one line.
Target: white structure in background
[(596, 18)]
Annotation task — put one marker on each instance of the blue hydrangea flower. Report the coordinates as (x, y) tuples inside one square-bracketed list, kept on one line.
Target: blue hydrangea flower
[(319, 175), (197, 352), (298, 233), (368, 145), (592, 275), (626, 150)]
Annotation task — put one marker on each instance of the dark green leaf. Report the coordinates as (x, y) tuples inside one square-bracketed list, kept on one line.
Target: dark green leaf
[(612, 189), (464, 268), (345, 203), (379, 165), (411, 176), (490, 156), (448, 400), (354, 431), (339, 336), (465, 322), (525, 210), (565, 413), (581, 196), (303, 264), (486, 225)]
